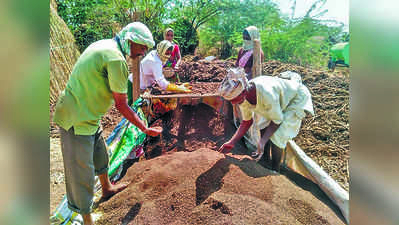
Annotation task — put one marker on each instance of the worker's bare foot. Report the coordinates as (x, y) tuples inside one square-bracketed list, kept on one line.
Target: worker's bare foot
[(259, 157), (254, 154), (115, 188)]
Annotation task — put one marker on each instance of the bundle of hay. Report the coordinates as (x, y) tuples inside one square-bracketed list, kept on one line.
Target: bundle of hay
[(63, 53)]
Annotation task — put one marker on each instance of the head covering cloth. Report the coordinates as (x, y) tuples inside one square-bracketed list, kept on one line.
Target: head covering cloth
[(233, 84), (166, 32), (162, 47), (254, 35), (136, 32), (290, 75)]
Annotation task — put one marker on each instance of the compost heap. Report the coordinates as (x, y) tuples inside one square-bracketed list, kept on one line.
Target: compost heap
[(207, 187)]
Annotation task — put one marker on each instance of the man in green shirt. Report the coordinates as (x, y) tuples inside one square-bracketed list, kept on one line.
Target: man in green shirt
[(98, 79)]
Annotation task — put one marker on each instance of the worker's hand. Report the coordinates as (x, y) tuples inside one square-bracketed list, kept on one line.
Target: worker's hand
[(187, 85), (226, 147), (179, 88), (153, 131), (261, 146)]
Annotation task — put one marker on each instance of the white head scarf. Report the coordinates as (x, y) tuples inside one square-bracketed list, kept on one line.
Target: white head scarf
[(162, 47), (289, 75), (233, 84), (136, 32), (254, 35), (166, 32)]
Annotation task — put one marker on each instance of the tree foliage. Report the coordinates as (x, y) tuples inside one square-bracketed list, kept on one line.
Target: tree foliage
[(92, 20), (225, 30), (213, 26)]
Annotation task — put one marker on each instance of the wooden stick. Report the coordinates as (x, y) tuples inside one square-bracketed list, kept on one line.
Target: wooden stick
[(180, 96), (136, 78), (256, 66)]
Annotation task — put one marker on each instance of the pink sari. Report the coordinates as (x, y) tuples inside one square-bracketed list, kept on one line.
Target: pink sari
[(244, 59)]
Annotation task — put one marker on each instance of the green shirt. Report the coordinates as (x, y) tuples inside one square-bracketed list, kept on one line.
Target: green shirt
[(99, 71)]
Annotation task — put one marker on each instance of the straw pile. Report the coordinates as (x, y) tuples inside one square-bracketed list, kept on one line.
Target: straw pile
[(63, 53)]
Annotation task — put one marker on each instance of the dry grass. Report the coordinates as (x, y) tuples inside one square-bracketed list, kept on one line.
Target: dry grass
[(324, 137), (63, 53)]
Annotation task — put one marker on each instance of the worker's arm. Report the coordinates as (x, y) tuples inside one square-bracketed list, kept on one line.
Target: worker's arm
[(178, 57), (266, 134), (242, 129), (129, 114)]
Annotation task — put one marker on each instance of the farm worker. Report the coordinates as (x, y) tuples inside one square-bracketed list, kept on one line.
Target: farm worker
[(97, 80), (151, 69), (245, 60), (245, 54), (175, 57), (151, 74), (281, 103)]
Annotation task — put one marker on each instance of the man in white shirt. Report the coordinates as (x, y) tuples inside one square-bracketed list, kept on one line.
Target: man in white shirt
[(281, 103)]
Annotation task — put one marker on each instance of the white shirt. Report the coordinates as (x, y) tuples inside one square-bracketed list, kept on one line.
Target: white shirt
[(281, 101), (151, 71)]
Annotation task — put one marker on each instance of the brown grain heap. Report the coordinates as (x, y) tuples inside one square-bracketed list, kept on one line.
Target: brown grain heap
[(204, 71), (206, 187)]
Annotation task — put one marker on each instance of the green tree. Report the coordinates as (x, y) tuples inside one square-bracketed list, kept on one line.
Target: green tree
[(224, 31), (188, 17), (92, 20), (215, 26), (76, 14)]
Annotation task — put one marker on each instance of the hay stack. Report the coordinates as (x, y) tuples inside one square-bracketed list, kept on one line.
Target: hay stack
[(63, 53)]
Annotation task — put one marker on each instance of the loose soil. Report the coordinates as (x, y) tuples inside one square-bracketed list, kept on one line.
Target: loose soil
[(189, 128), (207, 187), (57, 179)]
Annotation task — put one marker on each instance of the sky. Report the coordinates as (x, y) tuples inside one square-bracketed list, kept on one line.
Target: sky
[(337, 9)]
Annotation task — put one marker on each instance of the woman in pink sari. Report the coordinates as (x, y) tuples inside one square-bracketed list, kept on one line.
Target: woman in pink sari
[(245, 55), (175, 57)]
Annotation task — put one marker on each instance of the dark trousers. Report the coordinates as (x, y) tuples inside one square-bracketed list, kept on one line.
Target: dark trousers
[(271, 157)]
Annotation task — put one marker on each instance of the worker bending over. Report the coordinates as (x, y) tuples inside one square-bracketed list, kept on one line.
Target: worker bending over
[(98, 79), (281, 105)]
